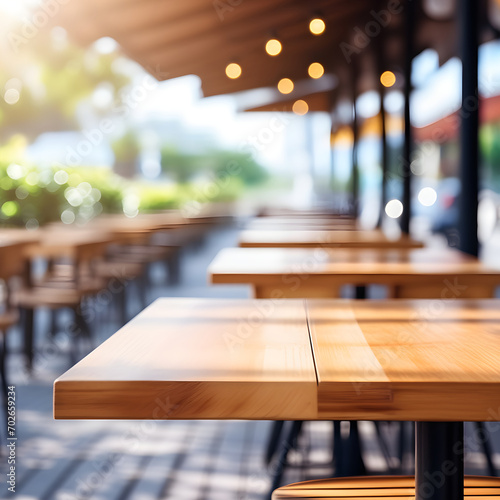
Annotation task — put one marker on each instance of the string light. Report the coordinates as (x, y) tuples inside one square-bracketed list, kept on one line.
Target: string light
[(300, 107), (233, 71), (317, 26), (316, 70), (273, 47), (387, 78), (285, 85)]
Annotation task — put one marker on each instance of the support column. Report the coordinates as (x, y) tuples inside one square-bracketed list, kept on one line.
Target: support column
[(409, 36), (384, 156), (469, 129), (355, 136)]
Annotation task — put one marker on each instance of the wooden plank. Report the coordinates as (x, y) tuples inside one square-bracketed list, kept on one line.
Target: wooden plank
[(320, 272), (407, 360), (198, 358), (323, 239)]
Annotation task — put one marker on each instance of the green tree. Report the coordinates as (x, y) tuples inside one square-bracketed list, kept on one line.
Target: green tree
[(46, 83)]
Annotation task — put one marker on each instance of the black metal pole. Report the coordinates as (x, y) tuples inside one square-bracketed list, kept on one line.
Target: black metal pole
[(408, 144), (439, 461), (335, 204), (332, 165), (355, 137), (469, 158), (384, 156)]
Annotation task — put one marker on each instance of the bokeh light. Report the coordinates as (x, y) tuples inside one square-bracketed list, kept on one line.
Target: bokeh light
[(394, 209), (317, 26), (300, 107), (11, 96), (273, 47), (316, 70), (387, 79), (427, 196), (233, 71), (285, 86)]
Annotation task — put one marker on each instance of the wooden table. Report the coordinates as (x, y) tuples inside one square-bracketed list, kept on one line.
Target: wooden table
[(433, 362), (323, 239), (319, 273), (301, 223), (237, 366)]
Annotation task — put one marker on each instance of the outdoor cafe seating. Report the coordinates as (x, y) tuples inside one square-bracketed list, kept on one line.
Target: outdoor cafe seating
[(279, 214)]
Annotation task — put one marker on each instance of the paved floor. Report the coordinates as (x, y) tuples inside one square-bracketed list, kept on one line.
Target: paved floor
[(122, 460)]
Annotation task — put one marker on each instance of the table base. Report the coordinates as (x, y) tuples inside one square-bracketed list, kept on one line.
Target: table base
[(439, 460)]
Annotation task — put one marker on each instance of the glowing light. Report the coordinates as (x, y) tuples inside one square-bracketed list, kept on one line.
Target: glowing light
[(32, 224), (61, 177), (32, 178), (273, 47), (11, 96), (387, 79), (316, 70), (68, 217), (131, 204), (233, 71), (427, 196), (285, 85), (105, 45), (15, 171), (300, 107), (74, 197), (394, 209), (9, 208), (317, 26)]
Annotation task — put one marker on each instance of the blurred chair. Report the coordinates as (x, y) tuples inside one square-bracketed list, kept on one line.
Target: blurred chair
[(11, 265), (65, 285)]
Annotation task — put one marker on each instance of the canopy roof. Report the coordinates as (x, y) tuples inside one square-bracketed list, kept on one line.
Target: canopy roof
[(200, 37)]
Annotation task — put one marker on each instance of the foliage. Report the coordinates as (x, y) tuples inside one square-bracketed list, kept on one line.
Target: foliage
[(126, 147), (61, 76), (489, 142), (32, 196), (183, 167)]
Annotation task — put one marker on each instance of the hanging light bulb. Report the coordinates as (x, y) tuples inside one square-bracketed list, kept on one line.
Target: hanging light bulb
[(387, 79), (233, 71), (317, 26), (316, 70), (273, 47), (300, 107), (285, 85)]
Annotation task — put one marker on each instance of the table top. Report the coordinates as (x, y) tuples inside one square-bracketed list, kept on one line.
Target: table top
[(324, 239), (55, 243), (293, 359), (300, 223), (207, 358), (261, 266)]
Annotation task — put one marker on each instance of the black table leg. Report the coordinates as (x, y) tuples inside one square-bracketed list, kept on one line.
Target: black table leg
[(28, 337), (347, 452), (439, 461)]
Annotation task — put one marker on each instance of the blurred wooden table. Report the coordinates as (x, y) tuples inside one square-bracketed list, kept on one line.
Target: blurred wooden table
[(320, 272), (312, 359), (301, 223), (323, 239)]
